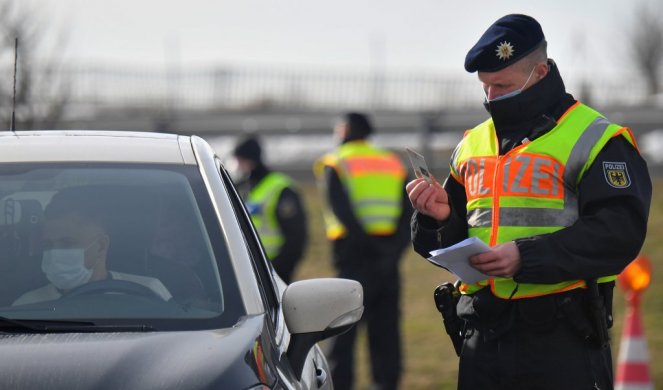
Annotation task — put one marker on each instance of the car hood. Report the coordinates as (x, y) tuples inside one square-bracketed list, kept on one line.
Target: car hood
[(155, 360)]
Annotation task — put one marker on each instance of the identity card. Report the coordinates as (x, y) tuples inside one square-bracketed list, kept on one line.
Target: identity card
[(419, 165)]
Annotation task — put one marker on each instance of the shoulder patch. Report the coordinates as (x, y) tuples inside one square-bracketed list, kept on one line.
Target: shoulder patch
[(616, 174), (287, 208)]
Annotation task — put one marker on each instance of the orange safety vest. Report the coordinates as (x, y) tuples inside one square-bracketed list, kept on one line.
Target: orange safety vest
[(532, 189), (373, 179)]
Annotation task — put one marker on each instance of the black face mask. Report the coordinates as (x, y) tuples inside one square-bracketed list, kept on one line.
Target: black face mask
[(528, 103), (486, 105), (516, 108), (510, 104)]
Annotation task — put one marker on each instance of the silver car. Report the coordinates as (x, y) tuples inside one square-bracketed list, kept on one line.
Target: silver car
[(128, 261)]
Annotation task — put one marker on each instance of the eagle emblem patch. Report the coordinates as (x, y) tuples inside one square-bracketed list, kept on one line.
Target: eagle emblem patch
[(616, 174)]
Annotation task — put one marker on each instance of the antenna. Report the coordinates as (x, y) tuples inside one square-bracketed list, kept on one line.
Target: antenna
[(13, 123)]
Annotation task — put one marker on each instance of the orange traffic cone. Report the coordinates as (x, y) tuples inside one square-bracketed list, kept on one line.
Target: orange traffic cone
[(633, 359)]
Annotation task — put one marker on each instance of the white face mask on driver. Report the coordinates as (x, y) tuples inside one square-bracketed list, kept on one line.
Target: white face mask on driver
[(65, 268), (513, 93)]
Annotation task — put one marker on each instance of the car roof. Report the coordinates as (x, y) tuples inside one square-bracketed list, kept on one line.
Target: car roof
[(95, 146)]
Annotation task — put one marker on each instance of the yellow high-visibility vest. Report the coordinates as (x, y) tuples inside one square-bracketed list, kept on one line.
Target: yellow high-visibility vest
[(374, 180), (261, 203), (532, 189)]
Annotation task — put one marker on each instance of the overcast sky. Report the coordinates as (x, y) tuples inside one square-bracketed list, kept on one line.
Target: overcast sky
[(430, 36)]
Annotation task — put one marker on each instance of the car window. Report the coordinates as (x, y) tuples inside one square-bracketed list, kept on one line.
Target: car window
[(260, 263), (113, 243)]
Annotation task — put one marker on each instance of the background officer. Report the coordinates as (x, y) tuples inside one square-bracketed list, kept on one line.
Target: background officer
[(561, 195), (367, 222), (275, 206)]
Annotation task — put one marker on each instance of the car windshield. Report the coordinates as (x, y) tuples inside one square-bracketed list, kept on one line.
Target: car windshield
[(113, 244)]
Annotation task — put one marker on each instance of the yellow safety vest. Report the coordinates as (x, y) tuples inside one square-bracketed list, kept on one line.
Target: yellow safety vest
[(261, 203), (532, 189), (373, 179)]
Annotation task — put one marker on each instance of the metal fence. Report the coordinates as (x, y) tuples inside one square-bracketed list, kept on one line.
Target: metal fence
[(254, 87)]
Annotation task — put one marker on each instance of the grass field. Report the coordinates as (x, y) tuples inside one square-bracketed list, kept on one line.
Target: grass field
[(429, 361)]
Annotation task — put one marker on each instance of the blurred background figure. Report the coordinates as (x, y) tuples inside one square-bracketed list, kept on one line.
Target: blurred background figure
[(367, 221), (177, 250), (275, 205)]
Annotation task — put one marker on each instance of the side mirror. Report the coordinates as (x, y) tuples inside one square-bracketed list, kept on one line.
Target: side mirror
[(317, 309)]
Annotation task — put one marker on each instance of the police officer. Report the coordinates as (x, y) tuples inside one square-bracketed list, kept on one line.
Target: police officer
[(366, 216), (275, 206), (561, 195)]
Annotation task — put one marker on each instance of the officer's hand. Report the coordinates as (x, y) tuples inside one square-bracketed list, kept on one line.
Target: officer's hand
[(503, 260), (429, 199)]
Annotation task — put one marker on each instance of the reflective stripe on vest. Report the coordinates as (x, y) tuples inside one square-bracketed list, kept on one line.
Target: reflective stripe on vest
[(261, 203), (532, 189), (374, 180)]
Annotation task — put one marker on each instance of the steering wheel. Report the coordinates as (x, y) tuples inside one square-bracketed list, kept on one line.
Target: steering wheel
[(113, 286)]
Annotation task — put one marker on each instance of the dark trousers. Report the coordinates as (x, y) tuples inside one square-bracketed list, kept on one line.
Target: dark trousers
[(536, 350), (379, 276)]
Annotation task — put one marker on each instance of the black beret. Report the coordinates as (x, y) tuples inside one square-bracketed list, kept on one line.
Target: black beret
[(248, 148), (359, 124), (505, 42)]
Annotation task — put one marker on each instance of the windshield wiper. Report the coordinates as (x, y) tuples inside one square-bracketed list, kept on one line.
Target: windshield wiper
[(62, 326), (107, 328), (38, 325)]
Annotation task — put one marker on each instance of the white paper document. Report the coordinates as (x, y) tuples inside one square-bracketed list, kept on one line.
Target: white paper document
[(455, 259)]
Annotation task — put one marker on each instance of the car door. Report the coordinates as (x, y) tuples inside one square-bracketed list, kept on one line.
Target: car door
[(272, 289)]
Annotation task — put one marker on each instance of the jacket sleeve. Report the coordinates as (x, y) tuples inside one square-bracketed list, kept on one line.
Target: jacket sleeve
[(609, 232), (429, 234), (401, 237), (291, 217)]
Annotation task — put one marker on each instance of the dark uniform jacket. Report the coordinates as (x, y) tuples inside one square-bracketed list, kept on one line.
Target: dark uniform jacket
[(612, 224)]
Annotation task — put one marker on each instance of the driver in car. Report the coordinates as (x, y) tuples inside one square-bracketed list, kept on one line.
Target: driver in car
[(75, 248)]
